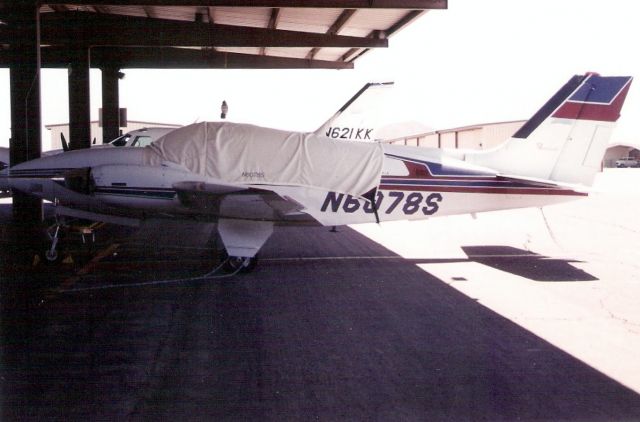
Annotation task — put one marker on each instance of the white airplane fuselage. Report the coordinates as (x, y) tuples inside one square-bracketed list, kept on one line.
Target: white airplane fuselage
[(416, 183)]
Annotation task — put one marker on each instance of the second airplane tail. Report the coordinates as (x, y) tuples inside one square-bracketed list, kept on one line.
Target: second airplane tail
[(359, 118), (566, 139)]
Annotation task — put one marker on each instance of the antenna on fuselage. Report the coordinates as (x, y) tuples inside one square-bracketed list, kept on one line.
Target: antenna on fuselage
[(63, 140), (224, 109)]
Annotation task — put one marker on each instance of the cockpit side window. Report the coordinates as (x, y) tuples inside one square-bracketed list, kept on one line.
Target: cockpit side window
[(121, 141)]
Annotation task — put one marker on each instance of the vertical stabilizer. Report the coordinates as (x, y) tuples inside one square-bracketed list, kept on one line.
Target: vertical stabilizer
[(566, 139)]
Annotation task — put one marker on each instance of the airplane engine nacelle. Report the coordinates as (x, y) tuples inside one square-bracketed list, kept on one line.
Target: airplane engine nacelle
[(79, 181)]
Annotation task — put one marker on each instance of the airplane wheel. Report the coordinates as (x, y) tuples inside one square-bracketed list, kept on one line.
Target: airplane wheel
[(52, 256), (240, 264)]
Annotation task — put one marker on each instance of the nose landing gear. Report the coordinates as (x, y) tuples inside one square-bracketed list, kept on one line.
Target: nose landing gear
[(61, 228), (51, 254)]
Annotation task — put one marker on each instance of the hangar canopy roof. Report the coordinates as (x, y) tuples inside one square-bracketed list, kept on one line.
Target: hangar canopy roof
[(218, 33)]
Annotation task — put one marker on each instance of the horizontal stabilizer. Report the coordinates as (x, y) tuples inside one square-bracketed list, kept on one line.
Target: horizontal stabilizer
[(543, 183)]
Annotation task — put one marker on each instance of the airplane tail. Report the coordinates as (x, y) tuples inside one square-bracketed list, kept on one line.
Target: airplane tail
[(565, 141), (360, 117)]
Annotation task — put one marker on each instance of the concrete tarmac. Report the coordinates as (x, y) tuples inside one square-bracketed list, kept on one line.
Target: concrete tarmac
[(330, 326)]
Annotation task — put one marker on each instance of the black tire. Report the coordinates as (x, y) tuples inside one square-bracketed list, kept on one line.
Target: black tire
[(52, 258)]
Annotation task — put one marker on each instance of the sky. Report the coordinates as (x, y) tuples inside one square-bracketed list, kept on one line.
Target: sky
[(476, 62)]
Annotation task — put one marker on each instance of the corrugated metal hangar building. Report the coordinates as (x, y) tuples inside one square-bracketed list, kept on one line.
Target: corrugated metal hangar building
[(490, 135), (480, 136)]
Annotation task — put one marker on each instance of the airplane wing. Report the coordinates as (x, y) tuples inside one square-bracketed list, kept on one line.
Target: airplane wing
[(238, 201), (203, 188), (245, 215)]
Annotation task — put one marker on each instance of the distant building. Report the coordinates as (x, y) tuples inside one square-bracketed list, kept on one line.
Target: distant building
[(618, 151), (481, 136), (490, 135), (96, 130)]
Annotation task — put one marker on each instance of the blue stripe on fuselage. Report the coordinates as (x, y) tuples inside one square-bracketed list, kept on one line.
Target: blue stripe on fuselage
[(441, 170)]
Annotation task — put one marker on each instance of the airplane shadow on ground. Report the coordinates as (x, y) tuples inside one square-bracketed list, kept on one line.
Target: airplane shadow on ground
[(526, 264), (518, 262)]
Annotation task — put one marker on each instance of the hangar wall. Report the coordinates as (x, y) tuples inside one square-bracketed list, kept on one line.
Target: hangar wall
[(490, 135), (482, 136), (615, 152)]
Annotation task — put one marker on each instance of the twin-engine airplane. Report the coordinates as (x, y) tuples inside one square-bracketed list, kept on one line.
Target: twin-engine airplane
[(249, 179)]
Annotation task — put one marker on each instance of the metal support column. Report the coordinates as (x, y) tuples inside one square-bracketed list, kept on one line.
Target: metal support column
[(24, 78), (110, 104), (79, 104)]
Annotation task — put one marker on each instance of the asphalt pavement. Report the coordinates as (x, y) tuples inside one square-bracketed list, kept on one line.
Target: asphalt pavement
[(330, 326)]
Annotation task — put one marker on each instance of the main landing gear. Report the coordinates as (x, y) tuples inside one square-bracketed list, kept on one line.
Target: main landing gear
[(242, 239), (237, 264)]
